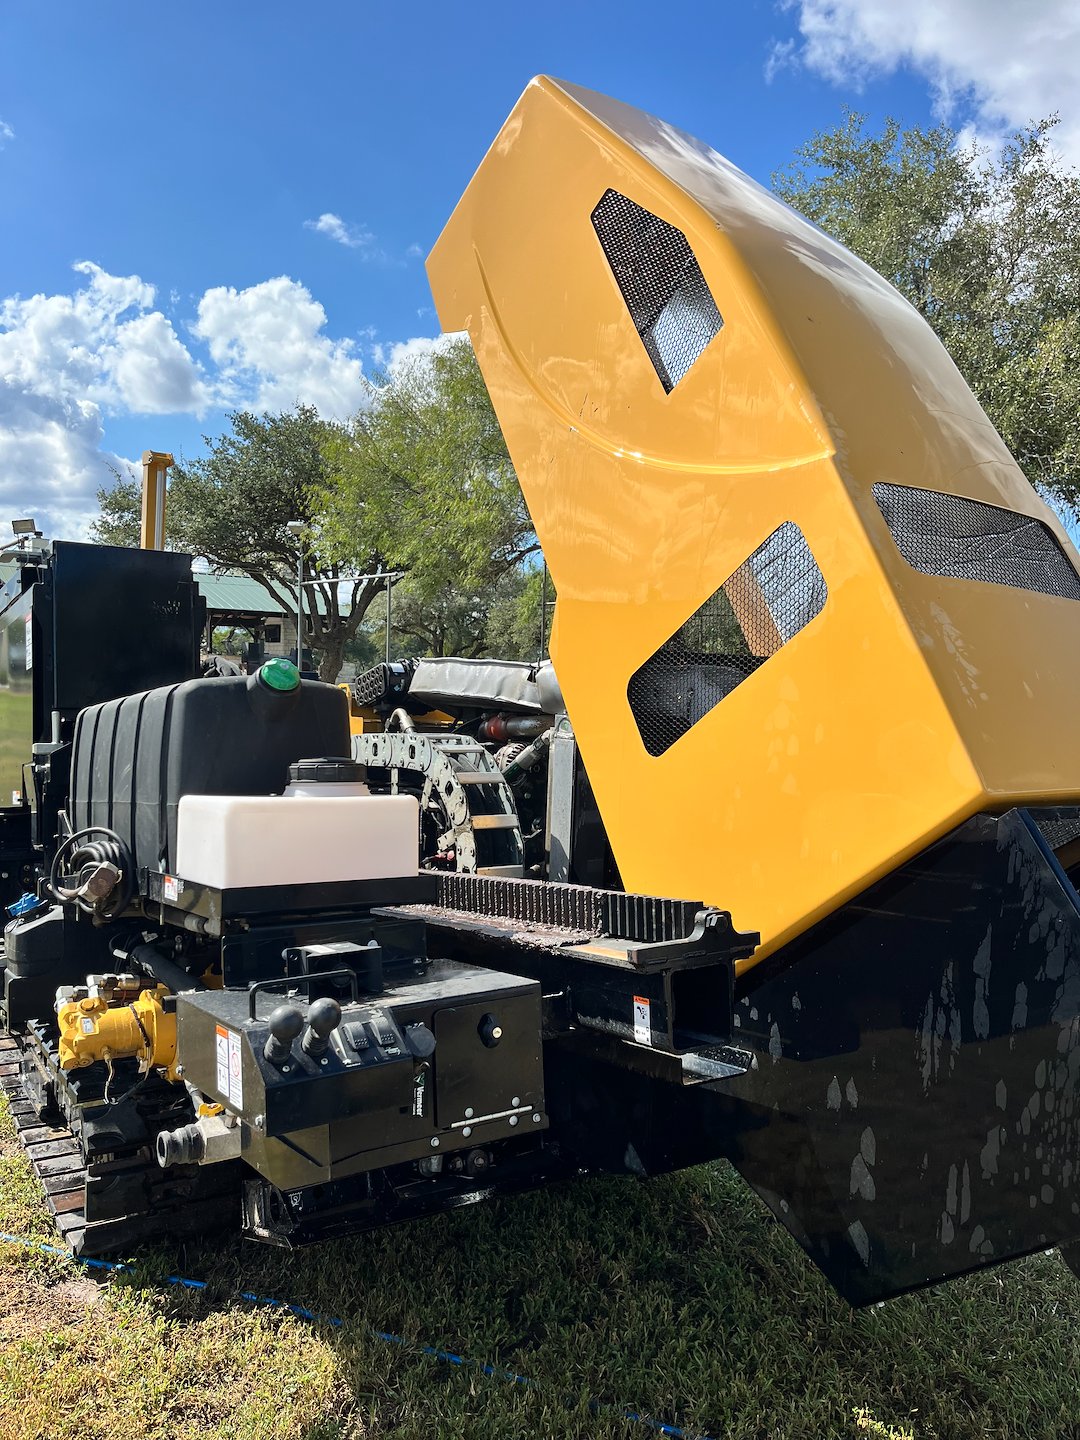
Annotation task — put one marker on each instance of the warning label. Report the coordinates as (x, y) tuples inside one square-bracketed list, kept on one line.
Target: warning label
[(230, 1078), (642, 1020)]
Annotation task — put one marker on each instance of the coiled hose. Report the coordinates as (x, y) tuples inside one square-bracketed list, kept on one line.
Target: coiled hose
[(79, 852)]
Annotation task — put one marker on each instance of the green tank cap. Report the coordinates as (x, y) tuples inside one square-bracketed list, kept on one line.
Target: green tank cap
[(279, 674)]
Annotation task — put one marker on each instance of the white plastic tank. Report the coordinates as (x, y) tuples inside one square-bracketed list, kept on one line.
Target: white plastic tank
[(321, 830)]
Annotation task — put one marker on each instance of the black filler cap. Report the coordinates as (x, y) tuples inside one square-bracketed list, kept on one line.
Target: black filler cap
[(328, 770)]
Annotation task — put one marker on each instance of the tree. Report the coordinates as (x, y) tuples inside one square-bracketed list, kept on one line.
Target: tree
[(516, 614), (987, 248), (234, 505), (120, 520), (419, 483), (499, 619), (427, 470)]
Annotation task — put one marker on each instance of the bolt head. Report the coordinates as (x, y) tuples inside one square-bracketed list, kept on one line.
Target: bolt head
[(536, 1119), (466, 1130), (513, 1119), (435, 1142), (468, 1112), (516, 1101)]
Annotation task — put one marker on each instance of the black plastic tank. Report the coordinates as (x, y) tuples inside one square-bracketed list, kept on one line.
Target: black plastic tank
[(134, 758)]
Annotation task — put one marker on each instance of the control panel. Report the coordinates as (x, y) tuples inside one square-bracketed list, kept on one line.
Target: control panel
[(443, 1060)]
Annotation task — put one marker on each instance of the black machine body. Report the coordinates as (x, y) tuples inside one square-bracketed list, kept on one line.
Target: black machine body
[(346, 1036)]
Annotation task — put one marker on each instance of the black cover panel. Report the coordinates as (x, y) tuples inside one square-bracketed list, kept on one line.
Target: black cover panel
[(123, 620), (134, 758), (914, 1110)]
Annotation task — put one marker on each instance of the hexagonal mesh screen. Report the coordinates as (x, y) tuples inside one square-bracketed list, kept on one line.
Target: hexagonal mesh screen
[(970, 540), (769, 598), (671, 306)]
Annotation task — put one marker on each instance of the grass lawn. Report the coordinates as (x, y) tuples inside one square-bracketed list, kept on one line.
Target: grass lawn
[(681, 1298), (16, 735)]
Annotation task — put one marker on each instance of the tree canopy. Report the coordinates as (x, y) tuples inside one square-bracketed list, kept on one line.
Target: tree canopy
[(233, 506), (420, 482), (427, 470), (987, 247), (500, 618), (428, 465)]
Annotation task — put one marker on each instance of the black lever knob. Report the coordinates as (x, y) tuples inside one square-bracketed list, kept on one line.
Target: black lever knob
[(285, 1023), (323, 1018), (420, 1040)]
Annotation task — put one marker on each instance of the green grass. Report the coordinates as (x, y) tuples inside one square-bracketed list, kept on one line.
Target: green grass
[(16, 733), (680, 1297)]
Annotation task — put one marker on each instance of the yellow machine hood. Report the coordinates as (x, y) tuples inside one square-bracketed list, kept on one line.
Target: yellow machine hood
[(810, 615)]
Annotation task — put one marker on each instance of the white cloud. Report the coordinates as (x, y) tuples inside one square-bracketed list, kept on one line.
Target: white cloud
[(66, 361), (101, 346), (782, 56), (150, 372), (268, 346), (334, 228), (69, 361), (51, 462), (995, 63), (6, 133), (402, 353)]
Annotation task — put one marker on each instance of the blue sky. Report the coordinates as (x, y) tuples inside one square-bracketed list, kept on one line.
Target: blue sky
[(249, 188)]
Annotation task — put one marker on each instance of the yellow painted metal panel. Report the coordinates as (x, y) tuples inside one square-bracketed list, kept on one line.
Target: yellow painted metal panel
[(910, 701)]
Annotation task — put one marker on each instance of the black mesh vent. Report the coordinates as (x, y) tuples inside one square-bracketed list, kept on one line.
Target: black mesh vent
[(661, 282), (968, 540), (568, 907), (1060, 825), (768, 600)]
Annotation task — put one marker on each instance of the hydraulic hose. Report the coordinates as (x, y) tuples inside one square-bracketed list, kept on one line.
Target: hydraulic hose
[(108, 849), (168, 972)]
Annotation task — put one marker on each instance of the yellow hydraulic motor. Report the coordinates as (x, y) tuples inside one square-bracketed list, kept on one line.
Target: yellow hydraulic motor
[(100, 1023)]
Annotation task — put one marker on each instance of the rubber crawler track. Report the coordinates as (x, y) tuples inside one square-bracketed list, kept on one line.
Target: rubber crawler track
[(119, 1201), (53, 1151)]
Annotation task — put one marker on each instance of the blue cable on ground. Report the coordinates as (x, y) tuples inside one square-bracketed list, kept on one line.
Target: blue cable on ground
[(447, 1357)]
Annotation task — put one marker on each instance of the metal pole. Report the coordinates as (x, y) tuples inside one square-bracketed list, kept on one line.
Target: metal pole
[(543, 612), (155, 467), (300, 608), (296, 530), (388, 584)]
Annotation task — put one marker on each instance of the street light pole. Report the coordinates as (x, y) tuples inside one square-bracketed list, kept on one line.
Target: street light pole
[(389, 582), (296, 529)]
